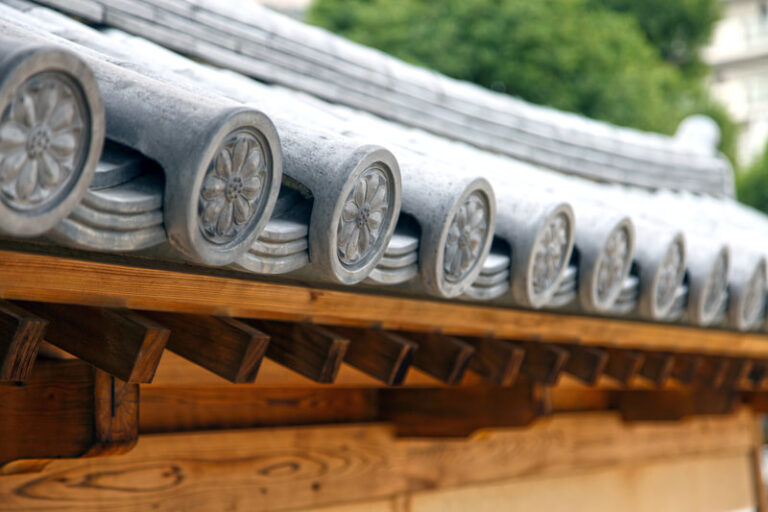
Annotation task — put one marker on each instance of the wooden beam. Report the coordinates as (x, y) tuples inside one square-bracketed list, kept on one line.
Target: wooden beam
[(585, 363), (686, 367), (657, 367), (40, 277), (21, 334), (229, 348), (301, 468), (383, 355), (185, 408), (623, 365), (119, 342), (307, 349), (458, 412), (673, 405), (66, 409), (495, 360), (444, 357)]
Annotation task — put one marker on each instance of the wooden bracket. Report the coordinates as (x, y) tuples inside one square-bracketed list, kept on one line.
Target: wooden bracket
[(758, 374), (712, 372), (543, 362), (585, 363), (117, 341), (623, 365), (737, 373), (384, 356), (444, 357), (229, 348), (657, 367), (686, 367), (21, 334), (307, 349), (495, 360), (66, 409)]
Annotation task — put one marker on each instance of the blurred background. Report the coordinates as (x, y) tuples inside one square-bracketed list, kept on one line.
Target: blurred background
[(645, 64)]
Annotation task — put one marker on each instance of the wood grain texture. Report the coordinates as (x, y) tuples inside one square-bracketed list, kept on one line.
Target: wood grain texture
[(657, 367), (495, 360), (67, 409), (543, 363), (458, 412), (443, 357), (686, 367), (299, 468), (585, 363), (385, 356), (737, 374), (307, 349), (623, 365), (185, 408), (38, 277), (229, 348), (711, 372), (21, 334), (673, 405), (117, 341)]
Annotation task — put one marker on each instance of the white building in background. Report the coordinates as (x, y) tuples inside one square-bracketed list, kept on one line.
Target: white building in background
[(738, 54)]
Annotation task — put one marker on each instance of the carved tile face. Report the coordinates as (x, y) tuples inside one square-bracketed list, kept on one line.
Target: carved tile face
[(363, 216), (44, 135), (235, 184), (550, 253), (466, 235), (612, 264), (669, 275), (716, 287), (754, 300)]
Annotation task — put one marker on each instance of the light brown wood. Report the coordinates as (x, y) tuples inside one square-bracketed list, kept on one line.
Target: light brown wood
[(737, 374), (708, 483), (21, 334), (280, 469), (543, 363), (585, 363), (120, 342), (623, 365), (227, 347), (39, 277), (686, 367), (657, 367), (711, 372)]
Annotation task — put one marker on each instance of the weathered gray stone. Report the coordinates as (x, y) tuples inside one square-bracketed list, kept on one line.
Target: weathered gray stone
[(395, 262), (51, 132), (488, 280), (140, 195), (387, 276), (272, 265), (117, 165), (660, 255), (747, 282), (708, 270)]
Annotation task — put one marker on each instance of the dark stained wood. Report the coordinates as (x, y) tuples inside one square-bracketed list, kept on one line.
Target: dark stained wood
[(185, 408), (21, 333), (444, 357), (543, 362), (382, 355), (623, 365), (495, 360), (686, 367), (310, 350), (758, 374), (117, 341), (657, 367), (712, 372), (585, 363), (737, 373), (457, 412), (229, 348), (673, 405), (67, 409), (40, 277)]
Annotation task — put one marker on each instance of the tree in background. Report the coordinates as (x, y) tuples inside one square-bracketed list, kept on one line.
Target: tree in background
[(630, 62)]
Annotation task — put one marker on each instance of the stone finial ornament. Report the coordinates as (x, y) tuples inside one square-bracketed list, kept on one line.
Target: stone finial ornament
[(51, 134)]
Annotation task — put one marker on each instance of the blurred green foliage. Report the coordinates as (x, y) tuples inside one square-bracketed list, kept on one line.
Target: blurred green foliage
[(630, 62)]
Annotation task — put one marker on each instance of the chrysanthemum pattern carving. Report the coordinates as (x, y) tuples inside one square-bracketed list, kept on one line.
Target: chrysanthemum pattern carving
[(233, 188), (42, 134), (669, 275), (549, 254), (466, 235), (612, 264), (362, 216)]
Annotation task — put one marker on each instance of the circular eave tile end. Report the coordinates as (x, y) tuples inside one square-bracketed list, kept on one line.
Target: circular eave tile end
[(612, 266), (550, 255), (669, 275), (714, 292), (51, 137)]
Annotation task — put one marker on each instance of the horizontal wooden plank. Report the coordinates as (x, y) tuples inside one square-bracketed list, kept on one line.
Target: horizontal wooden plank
[(27, 276), (279, 469)]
